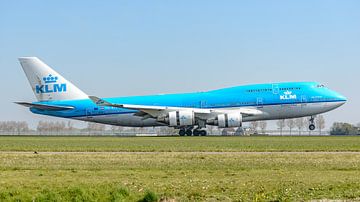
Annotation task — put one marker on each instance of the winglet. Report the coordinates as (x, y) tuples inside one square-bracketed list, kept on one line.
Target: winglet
[(99, 101)]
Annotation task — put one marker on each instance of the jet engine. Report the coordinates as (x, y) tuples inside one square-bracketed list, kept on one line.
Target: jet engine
[(181, 118), (229, 120)]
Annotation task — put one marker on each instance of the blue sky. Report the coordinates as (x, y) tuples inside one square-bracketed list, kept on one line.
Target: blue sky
[(120, 48)]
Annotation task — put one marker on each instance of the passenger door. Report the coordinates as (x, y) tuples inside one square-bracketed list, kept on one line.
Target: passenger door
[(275, 89), (259, 102), (303, 101)]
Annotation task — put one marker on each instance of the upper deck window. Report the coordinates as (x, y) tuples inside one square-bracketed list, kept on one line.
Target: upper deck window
[(291, 88), (259, 90), (270, 90)]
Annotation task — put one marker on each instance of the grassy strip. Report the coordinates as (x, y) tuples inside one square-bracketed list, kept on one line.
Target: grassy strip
[(174, 144), (179, 176)]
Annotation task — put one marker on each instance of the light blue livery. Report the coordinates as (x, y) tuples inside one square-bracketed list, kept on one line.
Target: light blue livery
[(189, 112)]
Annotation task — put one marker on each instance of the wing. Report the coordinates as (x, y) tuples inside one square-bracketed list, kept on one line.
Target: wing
[(157, 111)]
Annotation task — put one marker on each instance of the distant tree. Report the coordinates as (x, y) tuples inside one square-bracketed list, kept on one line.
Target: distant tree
[(343, 129), (239, 131), (14, 126), (167, 131), (300, 123), (9, 126), (70, 126), (21, 127), (95, 127), (358, 128), (48, 126), (228, 131), (320, 123), (117, 129), (281, 124), (40, 126), (254, 125), (290, 124), (224, 132), (263, 125), (211, 129), (58, 126)]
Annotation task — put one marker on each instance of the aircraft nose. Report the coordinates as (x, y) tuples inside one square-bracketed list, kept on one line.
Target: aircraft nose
[(341, 99)]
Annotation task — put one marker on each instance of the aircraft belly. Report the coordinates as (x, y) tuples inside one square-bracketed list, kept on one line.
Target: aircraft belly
[(293, 110), (122, 120), (270, 112)]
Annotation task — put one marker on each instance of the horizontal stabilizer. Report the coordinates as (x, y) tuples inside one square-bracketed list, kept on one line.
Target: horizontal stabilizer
[(45, 106)]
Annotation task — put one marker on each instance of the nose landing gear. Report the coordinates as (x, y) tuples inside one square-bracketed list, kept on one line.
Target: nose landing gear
[(312, 123)]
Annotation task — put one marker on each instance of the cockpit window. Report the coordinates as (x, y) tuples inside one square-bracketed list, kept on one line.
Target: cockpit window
[(320, 86)]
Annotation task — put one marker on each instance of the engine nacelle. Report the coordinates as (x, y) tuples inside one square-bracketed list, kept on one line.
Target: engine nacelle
[(229, 120), (181, 118)]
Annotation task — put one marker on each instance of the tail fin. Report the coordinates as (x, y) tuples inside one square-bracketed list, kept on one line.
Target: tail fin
[(47, 84)]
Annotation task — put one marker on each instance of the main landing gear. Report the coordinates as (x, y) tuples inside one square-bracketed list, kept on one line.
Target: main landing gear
[(312, 123), (190, 132)]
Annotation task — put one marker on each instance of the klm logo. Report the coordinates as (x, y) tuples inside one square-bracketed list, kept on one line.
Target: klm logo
[(288, 96), (50, 86)]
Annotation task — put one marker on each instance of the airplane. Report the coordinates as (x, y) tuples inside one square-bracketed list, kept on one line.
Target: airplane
[(188, 112)]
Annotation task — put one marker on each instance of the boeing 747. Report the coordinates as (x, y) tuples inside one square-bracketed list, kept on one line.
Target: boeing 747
[(188, 112)]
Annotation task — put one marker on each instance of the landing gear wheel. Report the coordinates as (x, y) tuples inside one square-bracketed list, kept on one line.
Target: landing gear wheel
[(311, 127), (196, 132), (188, 132), (182, 132), (203, 133)]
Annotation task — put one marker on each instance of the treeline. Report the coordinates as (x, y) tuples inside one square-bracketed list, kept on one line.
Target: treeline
[(56, 126), (285, 127), (300, 124), (14, 126), (345, 129)]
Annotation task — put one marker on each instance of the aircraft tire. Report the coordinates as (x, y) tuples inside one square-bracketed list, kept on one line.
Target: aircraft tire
[(203, 133), (189, 132), (311, 127), (182, 132), (196, 132)]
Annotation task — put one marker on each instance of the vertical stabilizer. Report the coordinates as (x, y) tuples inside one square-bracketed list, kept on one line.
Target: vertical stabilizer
[(47, 84)]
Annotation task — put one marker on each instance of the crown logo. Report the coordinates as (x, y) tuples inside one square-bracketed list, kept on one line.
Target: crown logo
[(287, 92), (50, 79)]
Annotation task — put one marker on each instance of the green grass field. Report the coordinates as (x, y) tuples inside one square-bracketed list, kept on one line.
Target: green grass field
[(179, 144), (181, 173)]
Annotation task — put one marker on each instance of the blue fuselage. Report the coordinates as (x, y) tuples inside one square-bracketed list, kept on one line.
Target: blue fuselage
[(278, 100)]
